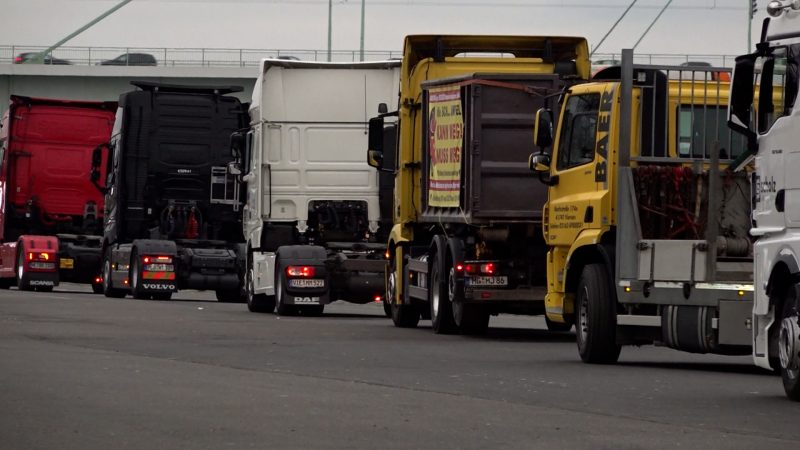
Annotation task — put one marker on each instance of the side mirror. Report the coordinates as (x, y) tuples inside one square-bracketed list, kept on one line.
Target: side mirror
[(97, 161), (539, 163), (237, 144), (375, 143), (740, 107), (97, 157), (543, 129), (375, 159)]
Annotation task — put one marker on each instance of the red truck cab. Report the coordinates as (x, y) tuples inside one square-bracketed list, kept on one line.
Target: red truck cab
[(51, 215)]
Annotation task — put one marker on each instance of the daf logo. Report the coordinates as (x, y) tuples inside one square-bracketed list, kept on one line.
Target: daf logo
[(184, 170)]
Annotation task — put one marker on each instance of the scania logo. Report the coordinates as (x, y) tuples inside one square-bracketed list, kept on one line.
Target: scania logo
[(159, 286), (41, 283)]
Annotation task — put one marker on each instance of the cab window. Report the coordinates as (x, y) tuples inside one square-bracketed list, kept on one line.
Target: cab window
[(778, 85), (579, 131)]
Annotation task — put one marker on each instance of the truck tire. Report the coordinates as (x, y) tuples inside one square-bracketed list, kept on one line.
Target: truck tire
[(596, 317), (557, 326), (134, 274), (281, 308), (108, 283), (257, 303), (391, 285), (471, 319), (789, 345), (439, 298), (403, 315), (313, 311), (229, 296), (23, 281), (387, 307), (6, 283)]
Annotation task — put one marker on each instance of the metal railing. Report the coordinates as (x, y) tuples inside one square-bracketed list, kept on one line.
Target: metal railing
[(227, 57), (176, 57), (666, 59)]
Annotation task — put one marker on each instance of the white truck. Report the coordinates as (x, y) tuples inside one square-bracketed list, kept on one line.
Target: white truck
[(762, 107), (314, 218)]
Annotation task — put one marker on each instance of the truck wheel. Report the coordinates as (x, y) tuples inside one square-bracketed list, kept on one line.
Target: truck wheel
[(789, 346), (469, 318), (557, 326), (136, 283), (281, 308), (391, 284), (596, 317), (257, 303), (228, 296), (23, 283), (439, 298), (313, 311), (6, 283), (108, 286), (403, 316)]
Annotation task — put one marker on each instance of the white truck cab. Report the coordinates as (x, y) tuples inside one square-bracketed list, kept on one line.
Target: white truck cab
[(316, 212), (763, 107)]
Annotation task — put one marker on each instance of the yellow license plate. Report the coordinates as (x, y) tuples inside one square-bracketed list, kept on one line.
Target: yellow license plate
[(66, 263)]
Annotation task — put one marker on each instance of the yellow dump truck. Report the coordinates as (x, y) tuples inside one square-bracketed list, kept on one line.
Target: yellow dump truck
[(466, 241), (646, 221)]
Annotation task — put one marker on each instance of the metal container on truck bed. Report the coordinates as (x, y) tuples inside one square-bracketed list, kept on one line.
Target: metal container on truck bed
[(488, 120)]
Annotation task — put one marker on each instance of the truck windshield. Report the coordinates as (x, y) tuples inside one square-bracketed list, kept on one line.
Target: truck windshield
[(577, 140)]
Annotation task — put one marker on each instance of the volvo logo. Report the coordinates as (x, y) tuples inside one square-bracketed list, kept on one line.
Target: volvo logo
[(159, 286)]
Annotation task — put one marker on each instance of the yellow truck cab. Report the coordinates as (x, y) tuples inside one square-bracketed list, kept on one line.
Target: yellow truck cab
[(646, 222), (466, 241)]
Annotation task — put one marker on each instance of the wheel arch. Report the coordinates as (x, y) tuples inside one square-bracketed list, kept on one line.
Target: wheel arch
[(601, 253)]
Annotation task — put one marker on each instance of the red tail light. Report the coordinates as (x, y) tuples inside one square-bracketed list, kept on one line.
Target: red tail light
[(378, 299), (18, 60), (471, 268), (488, 268), (39, 256), (300, 271), (157, 259)]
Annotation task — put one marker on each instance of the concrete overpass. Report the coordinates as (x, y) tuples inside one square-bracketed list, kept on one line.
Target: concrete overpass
[(108, 82)]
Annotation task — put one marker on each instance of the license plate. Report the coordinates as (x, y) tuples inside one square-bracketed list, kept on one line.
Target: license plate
[(158, 268), (304, 283), (487, 281), (66, 263)]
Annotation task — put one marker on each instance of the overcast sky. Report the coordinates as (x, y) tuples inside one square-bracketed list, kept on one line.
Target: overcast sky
[(688, 26)]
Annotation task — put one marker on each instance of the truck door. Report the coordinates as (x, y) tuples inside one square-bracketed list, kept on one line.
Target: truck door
[(575, 199), (252, 172)]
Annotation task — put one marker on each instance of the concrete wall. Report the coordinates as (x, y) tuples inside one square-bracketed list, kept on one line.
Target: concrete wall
[(108, 82)]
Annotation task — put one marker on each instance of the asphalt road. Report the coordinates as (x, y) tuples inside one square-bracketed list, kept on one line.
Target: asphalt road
[(85, 372)]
